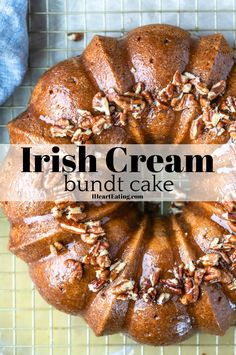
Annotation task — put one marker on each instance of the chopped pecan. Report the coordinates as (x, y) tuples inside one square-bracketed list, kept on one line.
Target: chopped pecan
[(232, 130), (211, 259), (229, 216), (53, 250), (56, 247), (215, 242), (57, 212), (89, 238), (154, 276), (103, 260), (123, 286), (75, 270), (102, 274), (204, 102), (173, 285), (198, 276), (150, 295), (189, 76), (86, 121), (77, 229), (167, 93), (122, 119), (196, 128), (187, 88), (116, 268), (138, 88), (96, 285), (89, 260), (177, 78), (100, 103), (217, 90), (76, 213), (186, 101), (190, 297), (201, 88), (232, 285), (163, 298), (190, 267), (148, 97), (229, 104), (101, 123), (81, 136), (178, 272), (231, 238), (60, 132), (159, 106), (216, 275)]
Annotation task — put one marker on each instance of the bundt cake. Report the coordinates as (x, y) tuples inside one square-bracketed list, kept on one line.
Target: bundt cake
[(156, 278)]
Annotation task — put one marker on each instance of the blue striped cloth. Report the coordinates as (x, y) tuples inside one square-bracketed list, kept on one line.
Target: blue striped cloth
[(13, 45)]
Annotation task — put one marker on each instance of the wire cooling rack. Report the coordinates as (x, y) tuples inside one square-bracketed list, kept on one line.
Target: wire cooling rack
[(27, 324)]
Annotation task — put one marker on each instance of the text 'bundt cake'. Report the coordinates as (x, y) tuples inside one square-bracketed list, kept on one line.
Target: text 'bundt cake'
[(158, 279)]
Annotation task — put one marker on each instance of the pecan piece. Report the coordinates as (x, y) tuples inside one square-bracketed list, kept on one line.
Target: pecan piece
[(96, 285), (76, 214), (102, 274), (89, 238), (196, 128), (123, 287), (163, 298), (201, 88), (74, 269), (212, 275), (116, 268), (154, 277), (76, 229), (186, 101), (56, 247), (101, 104), (138, 88), (101, 123), (229, 104), (103, 260), (211, 259), (217, 90), (59, 132), (173, 285), (159, 106), (190, 297)]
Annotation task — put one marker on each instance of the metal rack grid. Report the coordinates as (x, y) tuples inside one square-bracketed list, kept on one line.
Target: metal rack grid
[(27, 324)]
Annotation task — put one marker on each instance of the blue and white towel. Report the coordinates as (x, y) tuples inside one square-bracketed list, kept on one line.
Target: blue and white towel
[(13, 45)]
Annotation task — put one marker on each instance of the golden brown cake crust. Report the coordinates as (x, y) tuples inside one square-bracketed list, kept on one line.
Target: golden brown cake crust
[(151, 54)]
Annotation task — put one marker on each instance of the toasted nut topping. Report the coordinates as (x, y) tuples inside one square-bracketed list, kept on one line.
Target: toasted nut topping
[(116, 268), (96, 285), (163, 298), (154, 277), (185, 91), (123, 287), (75, 270), (217, 90), (211, 259), (196, 128), (79, 229)]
